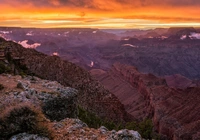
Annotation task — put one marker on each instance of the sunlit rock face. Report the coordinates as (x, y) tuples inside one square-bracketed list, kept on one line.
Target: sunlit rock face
[(26, 45)]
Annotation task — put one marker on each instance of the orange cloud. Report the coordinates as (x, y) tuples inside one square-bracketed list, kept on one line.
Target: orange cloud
[(100, 13)]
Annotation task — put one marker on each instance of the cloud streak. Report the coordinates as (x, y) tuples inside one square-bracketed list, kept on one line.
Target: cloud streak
[(97, 13)]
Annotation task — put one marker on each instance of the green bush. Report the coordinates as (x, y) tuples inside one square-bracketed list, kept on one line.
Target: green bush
[(89, 118), (145, 128)]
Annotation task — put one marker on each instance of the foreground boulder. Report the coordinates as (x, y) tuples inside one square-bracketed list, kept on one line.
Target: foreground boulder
[(76, 129), (60, 107), (25, 136)]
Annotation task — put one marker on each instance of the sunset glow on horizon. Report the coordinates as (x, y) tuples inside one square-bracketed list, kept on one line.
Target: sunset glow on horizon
[(122, 14)]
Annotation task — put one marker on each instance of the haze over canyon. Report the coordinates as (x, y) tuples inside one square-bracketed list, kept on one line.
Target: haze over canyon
[(154, 73), (99, 69)]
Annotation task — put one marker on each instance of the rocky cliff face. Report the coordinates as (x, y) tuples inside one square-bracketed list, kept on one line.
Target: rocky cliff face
[(32, 108), (92, 95), (173, 111)]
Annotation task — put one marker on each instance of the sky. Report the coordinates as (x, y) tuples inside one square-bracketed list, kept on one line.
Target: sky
[(112, 14)]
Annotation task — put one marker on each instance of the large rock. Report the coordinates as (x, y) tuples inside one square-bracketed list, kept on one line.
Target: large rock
[(125, 135), (61, 107), (25, 136)]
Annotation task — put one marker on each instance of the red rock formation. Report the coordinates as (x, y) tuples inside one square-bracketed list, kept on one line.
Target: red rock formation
[(178, 81), (175, 112)]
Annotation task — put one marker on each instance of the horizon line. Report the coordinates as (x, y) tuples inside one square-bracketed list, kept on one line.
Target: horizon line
[(23, 27)]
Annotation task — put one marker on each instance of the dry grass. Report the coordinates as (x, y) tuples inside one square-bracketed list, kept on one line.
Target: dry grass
[(23, 118)]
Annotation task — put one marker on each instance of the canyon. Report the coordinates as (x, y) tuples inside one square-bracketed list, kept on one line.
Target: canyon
[(132, 74), (174, 111)]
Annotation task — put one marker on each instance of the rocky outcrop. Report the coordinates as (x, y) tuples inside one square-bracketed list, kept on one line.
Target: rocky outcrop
[(32, 108), (75, 129), (60, 107), (173, 111), (25, 136), (124, 134), (58, 102), (92, 95)]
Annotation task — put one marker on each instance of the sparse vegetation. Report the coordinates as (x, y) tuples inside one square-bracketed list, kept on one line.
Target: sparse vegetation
[(22, 74), (20, 69), (94, 121), (145, 127), (23, 118), (4, 68), (89, 118)]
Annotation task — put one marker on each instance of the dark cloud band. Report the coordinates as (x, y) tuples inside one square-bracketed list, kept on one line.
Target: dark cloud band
[(94, 4)]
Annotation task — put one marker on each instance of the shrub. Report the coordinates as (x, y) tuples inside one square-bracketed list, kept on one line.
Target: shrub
[(94, 121), (89, 118), (4, 69), (22, 74), (23, 118), (145, 128)]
